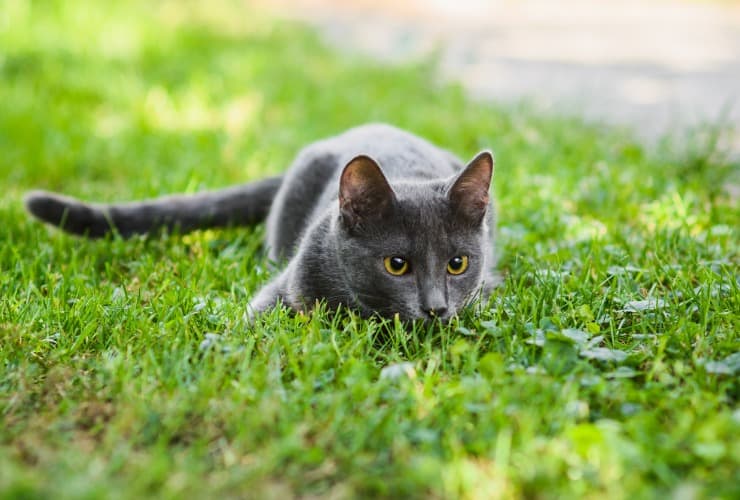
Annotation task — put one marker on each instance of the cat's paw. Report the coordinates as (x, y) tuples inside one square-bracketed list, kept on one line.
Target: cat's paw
[(251, 316), (261, 303)]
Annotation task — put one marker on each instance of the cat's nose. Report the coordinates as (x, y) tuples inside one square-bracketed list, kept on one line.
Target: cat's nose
[(432, 300), (435, 312)]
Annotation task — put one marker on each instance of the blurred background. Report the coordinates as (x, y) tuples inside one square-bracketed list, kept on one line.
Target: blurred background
[(140, 98), (659, 67)]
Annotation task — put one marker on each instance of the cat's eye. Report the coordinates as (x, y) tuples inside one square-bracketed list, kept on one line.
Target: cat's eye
[(397, 266), (457, 265)]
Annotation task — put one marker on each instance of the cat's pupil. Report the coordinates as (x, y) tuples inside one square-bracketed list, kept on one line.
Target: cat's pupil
[(397, 263), (456, 263)]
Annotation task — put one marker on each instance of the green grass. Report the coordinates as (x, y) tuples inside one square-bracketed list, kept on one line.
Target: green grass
[(126, 369)]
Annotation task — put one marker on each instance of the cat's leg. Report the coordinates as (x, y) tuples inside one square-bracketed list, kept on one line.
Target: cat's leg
[(267, 297)]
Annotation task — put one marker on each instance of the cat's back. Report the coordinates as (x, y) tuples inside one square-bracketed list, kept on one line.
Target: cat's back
[(312, 182), (400, 154)]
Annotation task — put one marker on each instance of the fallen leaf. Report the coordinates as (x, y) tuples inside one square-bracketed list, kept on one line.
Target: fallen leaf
[(397, 370), (635, 306), (604, 354), (728, 366)]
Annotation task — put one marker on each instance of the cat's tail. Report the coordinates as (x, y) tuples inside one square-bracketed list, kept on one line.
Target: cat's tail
[(235, 206)]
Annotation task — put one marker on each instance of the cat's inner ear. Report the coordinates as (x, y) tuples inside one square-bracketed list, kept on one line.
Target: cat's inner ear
[(364, 192), (468, 194)]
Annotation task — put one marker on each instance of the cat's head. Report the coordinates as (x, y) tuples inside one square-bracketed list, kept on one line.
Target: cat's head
[(417, 249)]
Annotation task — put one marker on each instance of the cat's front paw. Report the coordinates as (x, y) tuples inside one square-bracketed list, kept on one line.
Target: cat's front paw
[(267, 298)]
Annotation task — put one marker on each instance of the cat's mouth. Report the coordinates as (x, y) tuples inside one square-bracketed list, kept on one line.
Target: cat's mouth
[(369, 306)]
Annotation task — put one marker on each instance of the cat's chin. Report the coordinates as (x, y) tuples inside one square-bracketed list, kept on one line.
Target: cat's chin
[(369, 311), (411, 320)]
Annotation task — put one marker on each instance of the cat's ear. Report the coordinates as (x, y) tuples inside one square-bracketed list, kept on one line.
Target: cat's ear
[(364, 192), (468, 194)]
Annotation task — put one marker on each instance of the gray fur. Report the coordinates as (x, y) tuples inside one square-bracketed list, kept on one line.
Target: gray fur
[(345, 204), (238, 205)]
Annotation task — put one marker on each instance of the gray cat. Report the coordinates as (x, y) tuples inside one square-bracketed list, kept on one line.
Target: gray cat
[(376, 219)]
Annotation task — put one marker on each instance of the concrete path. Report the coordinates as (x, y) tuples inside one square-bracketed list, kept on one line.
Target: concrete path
[(659, 67)]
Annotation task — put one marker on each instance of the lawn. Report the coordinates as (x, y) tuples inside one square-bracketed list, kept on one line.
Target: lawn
[(606, 365)]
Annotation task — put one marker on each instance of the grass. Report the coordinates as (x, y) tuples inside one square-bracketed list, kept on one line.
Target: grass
[(605, 366)]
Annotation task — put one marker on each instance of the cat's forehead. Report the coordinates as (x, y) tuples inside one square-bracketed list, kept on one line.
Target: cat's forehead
[(418, 199), (423, 214), (421, 194)]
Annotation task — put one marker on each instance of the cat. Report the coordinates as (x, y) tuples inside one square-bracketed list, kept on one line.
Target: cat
[(375, 219)]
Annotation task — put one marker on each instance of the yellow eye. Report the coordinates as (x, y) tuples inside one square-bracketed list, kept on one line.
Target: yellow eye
[(397, 266), (457, 265)]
